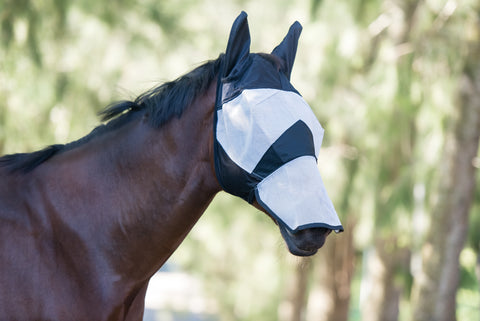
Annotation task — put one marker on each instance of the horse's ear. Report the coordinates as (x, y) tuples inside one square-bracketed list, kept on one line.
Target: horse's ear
[(238, 47), (288, 48)]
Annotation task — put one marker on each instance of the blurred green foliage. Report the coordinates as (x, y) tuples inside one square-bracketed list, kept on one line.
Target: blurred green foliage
[(383, 89)]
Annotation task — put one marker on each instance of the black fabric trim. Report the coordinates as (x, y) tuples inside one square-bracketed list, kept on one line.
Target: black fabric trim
[(216, 144), (233, 178), (296, 141)]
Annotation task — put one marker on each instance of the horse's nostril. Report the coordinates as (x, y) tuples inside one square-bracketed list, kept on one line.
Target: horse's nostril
[(305, 242), (312, 238), (324, 230), (315, 232)]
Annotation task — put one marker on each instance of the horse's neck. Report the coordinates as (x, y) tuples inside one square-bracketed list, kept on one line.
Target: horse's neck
[(139, 195)]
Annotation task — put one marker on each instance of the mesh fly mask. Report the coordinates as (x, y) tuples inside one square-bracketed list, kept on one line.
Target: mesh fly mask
[(267, 138)]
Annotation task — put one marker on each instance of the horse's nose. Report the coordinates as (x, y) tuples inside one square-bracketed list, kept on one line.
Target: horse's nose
[(305, 242), (311, 239)]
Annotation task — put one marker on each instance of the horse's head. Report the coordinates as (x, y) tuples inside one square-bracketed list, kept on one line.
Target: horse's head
[(267, 140)]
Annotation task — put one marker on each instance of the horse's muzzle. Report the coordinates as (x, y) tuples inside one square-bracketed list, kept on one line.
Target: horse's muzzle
[(305, 242)]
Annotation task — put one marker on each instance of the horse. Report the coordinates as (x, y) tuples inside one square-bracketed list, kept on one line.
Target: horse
[(84, 225)]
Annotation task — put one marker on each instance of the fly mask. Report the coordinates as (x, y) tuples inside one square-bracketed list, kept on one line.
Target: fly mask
[(266, 137)]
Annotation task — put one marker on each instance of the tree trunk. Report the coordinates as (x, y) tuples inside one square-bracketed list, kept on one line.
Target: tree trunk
[(434, 293), (477, 269), (381, 302), (333, 268), (335, 263), (293, 308), (330, 300)]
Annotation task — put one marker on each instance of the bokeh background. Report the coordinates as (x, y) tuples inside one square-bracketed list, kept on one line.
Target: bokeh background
[(395, 84)]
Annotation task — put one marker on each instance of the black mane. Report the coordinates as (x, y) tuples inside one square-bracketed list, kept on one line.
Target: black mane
[(161, 103)]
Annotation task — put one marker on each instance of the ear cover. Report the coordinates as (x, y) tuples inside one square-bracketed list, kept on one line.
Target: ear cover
[(288, 48), (238, 47)]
